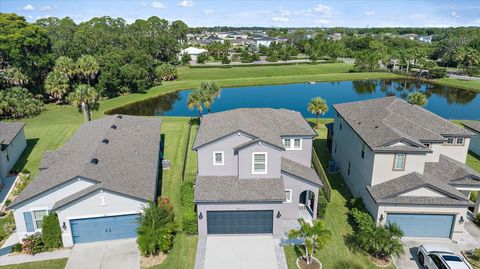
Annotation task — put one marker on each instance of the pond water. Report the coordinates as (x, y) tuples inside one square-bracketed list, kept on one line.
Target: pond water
[(450, 103)]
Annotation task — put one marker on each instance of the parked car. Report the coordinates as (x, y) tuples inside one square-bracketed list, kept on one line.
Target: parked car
[(438, 257)]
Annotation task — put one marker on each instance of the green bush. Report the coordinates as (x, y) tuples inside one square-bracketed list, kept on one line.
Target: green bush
[(33, 244), (185, 58), (472, 71), (477, 219), (189, 222), (51, 231), (189, 216), (202, 58), (225, 60), (322, 204), (17, 248), (438, 72), (157, 228)]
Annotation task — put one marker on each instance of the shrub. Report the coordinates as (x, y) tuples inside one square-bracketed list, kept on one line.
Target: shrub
[(185, 58), (157, 228), (472, 71), (225, 60), (438, 72), (51, 231), (22, 183), (17, 247), (165, 72), (189, 222), (202, 58), (322, 204), (8, 202), (189, 216), (33, 244), (477, 219)]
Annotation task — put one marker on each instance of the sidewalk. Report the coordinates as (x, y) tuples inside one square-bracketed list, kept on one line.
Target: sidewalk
[(6, 258)]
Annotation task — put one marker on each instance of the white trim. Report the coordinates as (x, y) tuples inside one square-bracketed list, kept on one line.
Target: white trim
[(34, 221), (214, 159), (103, 215), (292, 143), (301, 144), (253, 163), (287, 201)]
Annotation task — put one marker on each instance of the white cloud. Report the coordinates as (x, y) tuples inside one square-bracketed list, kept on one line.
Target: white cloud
[(28, 7), (369, 13), (46, 8), (323, 9), (454, 14), (43, 17), (208, 11), (280, 19), (322, 21), (159, 5), (186, 3)]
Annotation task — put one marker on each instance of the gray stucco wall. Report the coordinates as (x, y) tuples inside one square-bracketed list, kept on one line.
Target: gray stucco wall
[(204, 207), (297, 186), (245, 161), (227, 145), (14, 150), (383, 166), (456, 152), (303, 156)]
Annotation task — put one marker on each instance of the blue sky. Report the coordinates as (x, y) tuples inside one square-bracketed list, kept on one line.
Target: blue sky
[(293, 13)]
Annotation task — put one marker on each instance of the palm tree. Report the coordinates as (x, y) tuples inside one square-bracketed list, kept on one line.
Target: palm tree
[(210, 91), (417, 98), (66, 66), (318, 106), (315, 237), (56, 84), (85, 97), (87, 67), (195, 100)]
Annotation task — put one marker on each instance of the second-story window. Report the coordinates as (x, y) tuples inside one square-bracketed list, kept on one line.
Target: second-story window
[(218, 158), (259, 163), (450, 140), (399, 162), (363, 151), (287, 143), (460, 140), (297, 143), (292, 143)]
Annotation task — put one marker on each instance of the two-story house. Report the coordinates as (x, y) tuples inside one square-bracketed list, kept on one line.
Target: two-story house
[(407, 164), (254, 171)]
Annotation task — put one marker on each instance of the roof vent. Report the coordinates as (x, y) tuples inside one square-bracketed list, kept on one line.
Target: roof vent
[(94, 161), (119, 116), (105, 141), (113, 126), (359, 122), (376, 127)]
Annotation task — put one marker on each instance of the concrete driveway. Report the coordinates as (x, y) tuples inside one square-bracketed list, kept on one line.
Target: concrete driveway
[(113, 254), (240, 252)]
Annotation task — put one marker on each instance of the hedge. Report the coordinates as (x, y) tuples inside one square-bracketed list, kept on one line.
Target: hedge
[(51, 231), (189, 216)]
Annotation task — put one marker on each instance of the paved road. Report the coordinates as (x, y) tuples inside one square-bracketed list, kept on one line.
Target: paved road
[(113, 254)]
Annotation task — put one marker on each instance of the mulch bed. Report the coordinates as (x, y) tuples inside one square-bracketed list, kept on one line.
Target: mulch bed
[(152, 260), (303, 264), (380, 262)]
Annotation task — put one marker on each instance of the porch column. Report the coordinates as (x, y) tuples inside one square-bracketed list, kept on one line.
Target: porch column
[(315, 205), (477, 205)]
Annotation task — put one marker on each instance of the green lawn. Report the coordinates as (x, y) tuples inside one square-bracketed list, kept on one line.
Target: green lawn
[(458, 83), (50, 264)]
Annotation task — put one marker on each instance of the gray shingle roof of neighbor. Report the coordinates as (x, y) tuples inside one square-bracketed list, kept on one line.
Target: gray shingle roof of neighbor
[(128, 164), (384, 121), (473, 125), (451, 172), (300, 170), (233, 189), (390, 191), (265, 124), (9, 130)]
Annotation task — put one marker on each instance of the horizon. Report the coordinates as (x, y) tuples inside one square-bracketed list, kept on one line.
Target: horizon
[(264, 14)]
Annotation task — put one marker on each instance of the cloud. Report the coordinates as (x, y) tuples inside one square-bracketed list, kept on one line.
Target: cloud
[(323, 9), (159, 5), (280, 19), (322, 21), (369, 13), (454, 14), (46, 8), (186, 3), (28, 7), (208, 11)]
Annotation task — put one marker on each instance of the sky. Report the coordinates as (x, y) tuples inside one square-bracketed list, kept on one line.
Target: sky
[(266, 13)]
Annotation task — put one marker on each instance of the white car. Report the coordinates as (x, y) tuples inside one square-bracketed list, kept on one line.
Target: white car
[(437, 257)]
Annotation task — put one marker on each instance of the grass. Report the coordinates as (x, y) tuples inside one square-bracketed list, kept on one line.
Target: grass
[(473, 160), (337, 254), (459, 83), (49, 264)]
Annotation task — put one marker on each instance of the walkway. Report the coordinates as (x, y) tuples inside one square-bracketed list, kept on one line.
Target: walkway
[(7, 188)]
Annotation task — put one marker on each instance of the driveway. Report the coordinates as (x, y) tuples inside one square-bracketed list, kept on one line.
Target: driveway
[(470, 240), (113, 254), (240, 252)]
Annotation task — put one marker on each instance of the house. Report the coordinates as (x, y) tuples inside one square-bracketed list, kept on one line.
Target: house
[(193, 52), (12, 144), (425, 38), (474, 126), (409, 36), (254, 171), (335, 36), (98, 182), (407, 164), (264, 41)]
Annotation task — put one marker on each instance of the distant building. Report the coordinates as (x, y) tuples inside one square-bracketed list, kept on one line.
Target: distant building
[(409, 36), (335, 37), (12, 144), (264, 41), (193, 52), (425, 38)]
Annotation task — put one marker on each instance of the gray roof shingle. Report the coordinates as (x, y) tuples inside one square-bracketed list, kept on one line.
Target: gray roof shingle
[(383, 121), (451, 172), (9, 130), (266, 124), (473, 125), (300, 170), (233, 189), (127, 164)]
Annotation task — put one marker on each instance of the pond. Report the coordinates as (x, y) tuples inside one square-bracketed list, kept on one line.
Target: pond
[(450, 103)]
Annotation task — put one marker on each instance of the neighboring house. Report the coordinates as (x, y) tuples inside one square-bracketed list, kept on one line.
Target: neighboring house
[(98, 183), (425, 38), (474, 126), (12, 144), (264, 41), (193, 52), (254, 171), (407, 164)]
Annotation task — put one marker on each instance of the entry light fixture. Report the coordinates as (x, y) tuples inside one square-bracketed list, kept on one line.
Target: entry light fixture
[(462, 220), (64, 226), (381, 218), (279, 215), (200, 216)]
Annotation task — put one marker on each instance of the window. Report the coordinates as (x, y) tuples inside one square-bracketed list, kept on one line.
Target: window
[(38, 217), (459, 140), (399, 163), (259, 163), (287, 143), (427, 145), (218, 158), (288, 196), (297, 143), (349, 166), (335, 147), (450, 140), (363, 150)]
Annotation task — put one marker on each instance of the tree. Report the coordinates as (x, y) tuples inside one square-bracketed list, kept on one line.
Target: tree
[(66, 66), (87, 68), (185, 59), (51, 231), (56, 84), (195, 100), (85, 97), (202, 58), (210, 91), (12, 76), (156, 229), (315, 237), (417, 98), (17, 102), (225, 60), (366, 62), (318, 106), (165, 72)]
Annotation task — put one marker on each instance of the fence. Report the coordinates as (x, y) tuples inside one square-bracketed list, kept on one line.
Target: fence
[(317, 165)]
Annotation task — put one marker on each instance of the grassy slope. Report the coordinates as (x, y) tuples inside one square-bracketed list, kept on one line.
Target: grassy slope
[(457, 83), (50, 264), (336, 255)]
